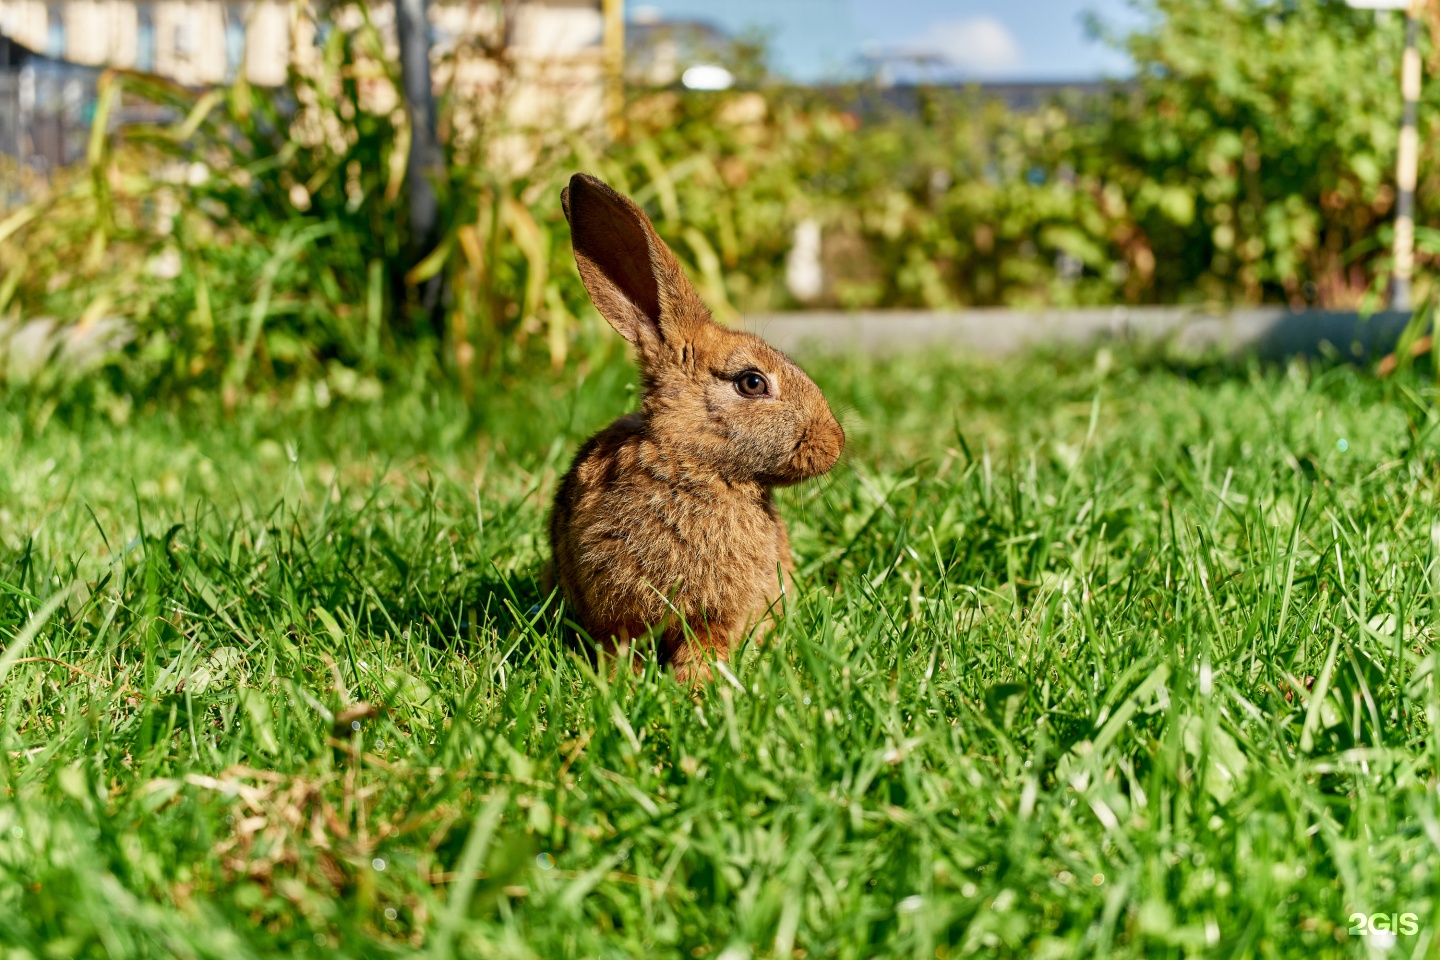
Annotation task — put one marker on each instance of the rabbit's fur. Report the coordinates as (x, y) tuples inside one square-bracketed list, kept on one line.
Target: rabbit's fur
[(665, 519)]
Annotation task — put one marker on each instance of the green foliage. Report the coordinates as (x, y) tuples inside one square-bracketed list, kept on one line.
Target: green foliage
[(1258, 152), (241, 240), (258, 240), (1080, 662), (1251, 160)]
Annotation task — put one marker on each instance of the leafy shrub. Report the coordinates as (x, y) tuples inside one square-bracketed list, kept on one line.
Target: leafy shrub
[(1258, 148)]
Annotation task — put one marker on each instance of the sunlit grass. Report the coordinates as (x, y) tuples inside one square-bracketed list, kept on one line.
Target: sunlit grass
[(1082, 663)]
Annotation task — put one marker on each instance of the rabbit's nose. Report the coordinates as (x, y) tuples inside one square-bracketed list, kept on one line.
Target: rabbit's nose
[(819, 447)]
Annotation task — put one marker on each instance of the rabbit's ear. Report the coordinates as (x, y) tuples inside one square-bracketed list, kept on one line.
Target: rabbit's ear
[(632, 276)]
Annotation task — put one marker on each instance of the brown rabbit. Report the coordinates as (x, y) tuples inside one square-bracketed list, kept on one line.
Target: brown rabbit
[(665, 519)]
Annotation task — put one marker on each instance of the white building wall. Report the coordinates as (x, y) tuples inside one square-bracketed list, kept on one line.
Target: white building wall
[(556, 79)]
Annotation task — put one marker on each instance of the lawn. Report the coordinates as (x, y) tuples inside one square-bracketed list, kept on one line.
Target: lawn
[(1088, 658)]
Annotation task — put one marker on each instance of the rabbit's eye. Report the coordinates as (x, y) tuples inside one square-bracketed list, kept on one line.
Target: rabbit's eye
[(752, 384)]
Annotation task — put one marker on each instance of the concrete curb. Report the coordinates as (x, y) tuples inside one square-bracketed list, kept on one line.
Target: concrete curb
[(1268, 332)]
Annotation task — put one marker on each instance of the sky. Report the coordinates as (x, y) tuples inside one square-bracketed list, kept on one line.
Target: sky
[(995, 39), (969, 39)]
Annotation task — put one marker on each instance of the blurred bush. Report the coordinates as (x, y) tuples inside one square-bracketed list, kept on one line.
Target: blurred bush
[(255, 243), (1257, 153)]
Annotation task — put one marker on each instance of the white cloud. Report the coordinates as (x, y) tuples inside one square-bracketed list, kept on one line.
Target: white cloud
[(972, 45)]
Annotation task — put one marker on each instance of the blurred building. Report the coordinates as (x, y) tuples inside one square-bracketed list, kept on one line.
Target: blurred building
[(544, 56), (197, 42), (812, 41), (192, 42), (657, 50)]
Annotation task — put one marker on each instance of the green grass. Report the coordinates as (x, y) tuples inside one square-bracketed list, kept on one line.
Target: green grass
[(1044, 690)]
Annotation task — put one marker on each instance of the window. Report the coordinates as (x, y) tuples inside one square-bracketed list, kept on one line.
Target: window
[(55, 32), (145, 39), (234, 41)]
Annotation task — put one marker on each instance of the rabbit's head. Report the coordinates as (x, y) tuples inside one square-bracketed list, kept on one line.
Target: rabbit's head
[(723, 401)]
